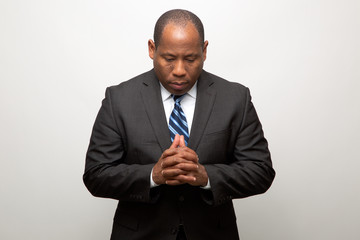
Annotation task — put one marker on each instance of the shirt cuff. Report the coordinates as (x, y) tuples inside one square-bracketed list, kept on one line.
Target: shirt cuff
[(208, 186), (152, 183)]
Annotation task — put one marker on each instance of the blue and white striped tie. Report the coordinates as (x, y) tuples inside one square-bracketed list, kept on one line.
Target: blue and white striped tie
[(177, 122)]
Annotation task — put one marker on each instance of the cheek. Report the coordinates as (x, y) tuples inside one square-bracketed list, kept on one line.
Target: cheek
[(195, 69), (162, 69)]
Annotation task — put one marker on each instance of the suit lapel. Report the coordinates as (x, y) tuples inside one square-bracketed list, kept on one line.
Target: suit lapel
[(204, 103), (151, 96)]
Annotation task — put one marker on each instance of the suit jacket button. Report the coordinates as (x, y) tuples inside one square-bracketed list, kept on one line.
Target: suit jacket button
[(181, 198)]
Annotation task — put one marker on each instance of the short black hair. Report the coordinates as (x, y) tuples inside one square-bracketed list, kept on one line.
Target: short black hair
[(178, 17)]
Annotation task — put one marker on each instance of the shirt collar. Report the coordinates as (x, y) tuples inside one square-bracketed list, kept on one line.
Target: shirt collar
[(165, 94)]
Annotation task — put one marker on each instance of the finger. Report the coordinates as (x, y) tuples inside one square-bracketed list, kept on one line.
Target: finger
[(182, 141), (169, 152), (172, 173), (190, 154), (179, 154), (174, 160), (181, 168), (180, 163), (188, 167), (187, 154), (176, 141), (173, 182), (181, 179), (186, 179)]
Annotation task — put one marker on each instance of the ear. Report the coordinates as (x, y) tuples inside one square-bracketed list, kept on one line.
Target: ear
[(206, 43), (152, 49)]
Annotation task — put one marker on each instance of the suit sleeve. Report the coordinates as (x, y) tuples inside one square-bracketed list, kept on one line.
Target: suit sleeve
[(248, 170), (106, 174)]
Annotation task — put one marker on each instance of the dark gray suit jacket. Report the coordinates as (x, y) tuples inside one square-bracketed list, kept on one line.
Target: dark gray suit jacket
[(131, 132)]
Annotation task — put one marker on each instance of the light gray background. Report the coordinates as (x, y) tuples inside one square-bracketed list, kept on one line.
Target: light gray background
[(300, 58)]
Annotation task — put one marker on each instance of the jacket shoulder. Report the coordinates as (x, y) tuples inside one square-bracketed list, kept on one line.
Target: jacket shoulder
[(223, 85), (134, 83)]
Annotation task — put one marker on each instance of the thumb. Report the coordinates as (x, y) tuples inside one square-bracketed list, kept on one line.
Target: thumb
[(176, 141)]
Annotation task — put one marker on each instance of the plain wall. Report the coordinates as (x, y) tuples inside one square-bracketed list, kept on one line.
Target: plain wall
[(300, 59)]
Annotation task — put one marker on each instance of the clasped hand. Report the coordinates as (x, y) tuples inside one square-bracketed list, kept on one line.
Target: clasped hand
[(179, 165)]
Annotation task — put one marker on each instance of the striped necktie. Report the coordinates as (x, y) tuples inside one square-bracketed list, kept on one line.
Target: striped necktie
[(177, 122)]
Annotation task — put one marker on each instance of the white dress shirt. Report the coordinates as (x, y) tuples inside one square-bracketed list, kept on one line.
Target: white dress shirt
[(187, 104)]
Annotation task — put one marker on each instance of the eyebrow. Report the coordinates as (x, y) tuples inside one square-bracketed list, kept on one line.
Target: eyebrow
[(172, 55), (167, 54)]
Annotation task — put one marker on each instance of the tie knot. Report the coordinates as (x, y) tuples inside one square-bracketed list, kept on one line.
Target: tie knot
[(178, 98)]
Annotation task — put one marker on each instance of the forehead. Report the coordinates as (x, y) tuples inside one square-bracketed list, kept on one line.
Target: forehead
[(175, 34)]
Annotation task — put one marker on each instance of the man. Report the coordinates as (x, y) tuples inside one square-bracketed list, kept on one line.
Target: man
[(176, 144)]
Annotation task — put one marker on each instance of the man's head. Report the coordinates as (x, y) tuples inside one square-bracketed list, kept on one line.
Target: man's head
[(179, 50), (178, 17)]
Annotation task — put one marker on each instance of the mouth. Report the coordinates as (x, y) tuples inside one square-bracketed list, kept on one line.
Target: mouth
[(178, 85)]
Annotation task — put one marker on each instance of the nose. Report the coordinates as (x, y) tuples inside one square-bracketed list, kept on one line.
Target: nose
[(179, 69)]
